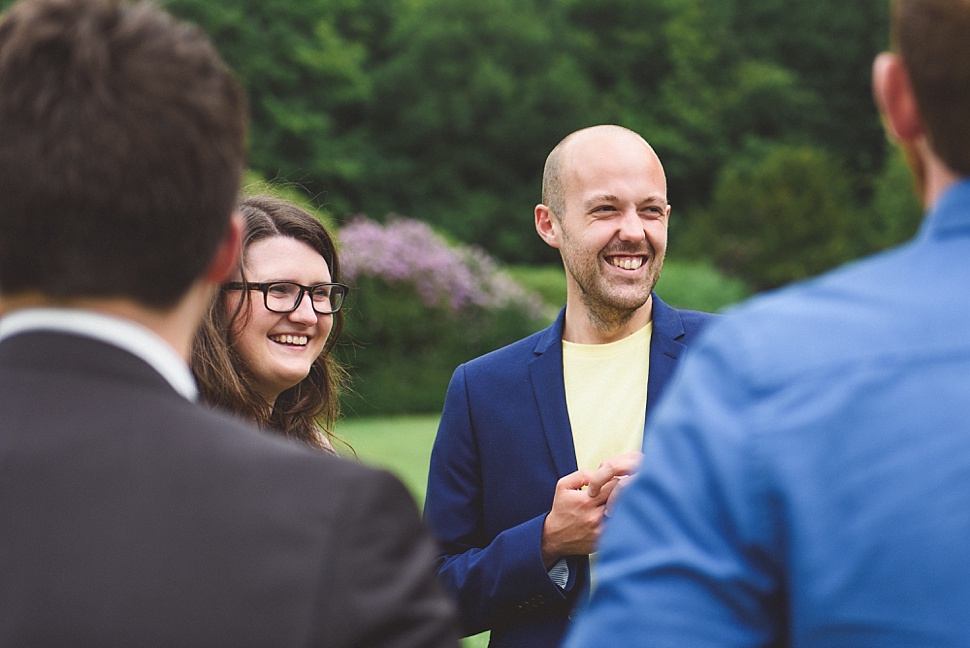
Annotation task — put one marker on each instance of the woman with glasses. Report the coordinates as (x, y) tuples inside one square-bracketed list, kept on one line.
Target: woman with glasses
[(263, 351)]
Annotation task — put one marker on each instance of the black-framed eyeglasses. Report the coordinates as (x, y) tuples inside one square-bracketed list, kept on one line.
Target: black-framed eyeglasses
[(285, 296)]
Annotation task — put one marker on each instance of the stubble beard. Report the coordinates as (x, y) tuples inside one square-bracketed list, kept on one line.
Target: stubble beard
[(610, 307)]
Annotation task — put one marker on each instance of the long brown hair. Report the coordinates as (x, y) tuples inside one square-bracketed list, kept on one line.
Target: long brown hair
[(308, 410)]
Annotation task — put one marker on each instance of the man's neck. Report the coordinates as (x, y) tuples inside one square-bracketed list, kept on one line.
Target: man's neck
[(937, 185), (583, 327), (933, 176)]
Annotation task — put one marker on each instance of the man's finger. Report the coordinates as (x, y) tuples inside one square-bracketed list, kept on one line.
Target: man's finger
[(625, 464), (574, 481)]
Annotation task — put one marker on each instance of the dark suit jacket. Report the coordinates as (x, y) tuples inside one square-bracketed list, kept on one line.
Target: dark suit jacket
[(503, 442), (132, 517)]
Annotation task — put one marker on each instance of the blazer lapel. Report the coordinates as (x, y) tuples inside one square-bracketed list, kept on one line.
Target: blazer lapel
[(550, 394), (665, 350)]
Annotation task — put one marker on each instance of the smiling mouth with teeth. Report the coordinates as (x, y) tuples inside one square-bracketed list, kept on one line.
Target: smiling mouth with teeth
[(295, 340), (627, 263)]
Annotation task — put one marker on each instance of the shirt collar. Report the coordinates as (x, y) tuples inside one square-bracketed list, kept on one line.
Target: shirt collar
[(951, 213), (116, 331)]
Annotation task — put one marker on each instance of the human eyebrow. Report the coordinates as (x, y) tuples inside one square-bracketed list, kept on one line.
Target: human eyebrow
[(598, 201), (655, 201)]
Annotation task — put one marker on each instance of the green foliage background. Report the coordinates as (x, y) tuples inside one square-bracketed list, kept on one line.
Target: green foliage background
[(401, 353), (444, 110)]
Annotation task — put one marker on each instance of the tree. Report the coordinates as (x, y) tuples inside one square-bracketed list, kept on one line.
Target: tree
[(779, 217), (895, 212), (662, 69), (473, 98), (304, 66), (828, 47), (444, 110)]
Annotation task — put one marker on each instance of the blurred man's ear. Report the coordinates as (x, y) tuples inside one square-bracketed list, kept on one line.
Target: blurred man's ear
[(894, 95), (226, 259)]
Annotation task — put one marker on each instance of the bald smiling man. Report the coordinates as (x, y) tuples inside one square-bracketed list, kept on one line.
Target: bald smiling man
[(536, 437)]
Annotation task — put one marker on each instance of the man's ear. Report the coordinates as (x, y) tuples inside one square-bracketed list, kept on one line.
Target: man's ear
[(894, 95), (225, 262), (547, 226)]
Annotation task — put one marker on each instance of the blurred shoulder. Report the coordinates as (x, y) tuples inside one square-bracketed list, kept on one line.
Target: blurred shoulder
[(238, 447), (827, 323)]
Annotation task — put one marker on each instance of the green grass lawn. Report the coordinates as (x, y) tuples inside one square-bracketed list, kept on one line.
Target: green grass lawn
[(401, 444)]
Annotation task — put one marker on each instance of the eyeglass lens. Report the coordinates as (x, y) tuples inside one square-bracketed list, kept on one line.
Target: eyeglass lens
[(284, 297)]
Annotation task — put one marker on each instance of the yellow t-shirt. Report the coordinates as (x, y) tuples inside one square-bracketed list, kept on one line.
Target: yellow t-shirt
[(606, 396)]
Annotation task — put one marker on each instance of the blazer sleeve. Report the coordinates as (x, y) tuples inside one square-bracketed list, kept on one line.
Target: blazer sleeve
[(495, 577), (384, 561)]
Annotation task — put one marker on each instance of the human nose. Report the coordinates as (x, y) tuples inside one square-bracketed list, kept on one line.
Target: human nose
[(304, 313), (631, 226)]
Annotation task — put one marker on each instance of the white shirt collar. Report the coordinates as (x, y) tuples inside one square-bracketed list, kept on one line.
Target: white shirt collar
[(116, 331)]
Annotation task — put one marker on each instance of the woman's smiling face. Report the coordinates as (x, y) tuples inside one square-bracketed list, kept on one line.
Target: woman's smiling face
[(280, 348)]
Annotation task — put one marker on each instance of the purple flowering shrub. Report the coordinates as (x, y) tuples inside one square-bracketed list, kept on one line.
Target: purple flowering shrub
[(407, 251), (419, 307)]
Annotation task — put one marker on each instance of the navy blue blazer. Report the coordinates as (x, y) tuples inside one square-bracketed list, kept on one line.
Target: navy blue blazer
[(503, 442)]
